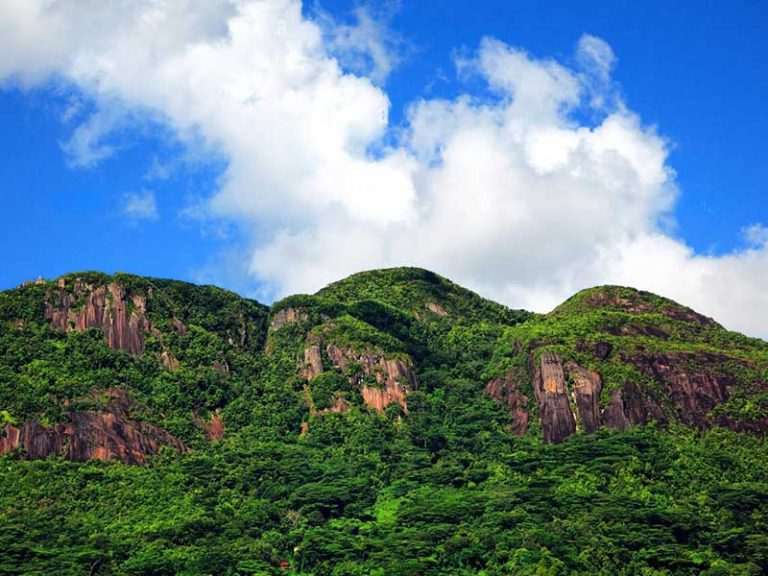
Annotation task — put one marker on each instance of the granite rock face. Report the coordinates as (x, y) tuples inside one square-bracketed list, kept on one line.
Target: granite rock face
[(287, 316), (549, 387), (313, 362), (692, 383), (101, 435), (614, 414), (394, 377), (689, 388), (507, 391), (586, 388), (629, 406), (85, 306)]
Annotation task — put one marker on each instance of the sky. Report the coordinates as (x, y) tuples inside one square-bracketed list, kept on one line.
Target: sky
[(526, 150)]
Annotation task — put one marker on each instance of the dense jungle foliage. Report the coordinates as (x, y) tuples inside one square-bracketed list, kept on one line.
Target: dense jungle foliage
[(443, 487)]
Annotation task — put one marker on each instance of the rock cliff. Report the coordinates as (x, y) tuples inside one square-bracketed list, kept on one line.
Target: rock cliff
[(557, 419), (585, 391), (101, 435), (616, 367), (288, 315), (83, 306), (507, 391), (693, 388), (394, 377)]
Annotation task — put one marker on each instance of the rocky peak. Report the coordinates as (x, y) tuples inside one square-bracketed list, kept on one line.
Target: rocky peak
[(632, 301)]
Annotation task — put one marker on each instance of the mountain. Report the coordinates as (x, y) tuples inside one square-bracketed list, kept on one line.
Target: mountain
[(96, 355), (618, 357), (622, 433)]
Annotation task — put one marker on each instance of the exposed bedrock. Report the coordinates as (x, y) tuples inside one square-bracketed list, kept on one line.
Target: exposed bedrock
[(506, 391), (694, 383), (287, 316), (122, 319), (689, 387), (395, 377), (549, 387), (101, 435), (586, 388)]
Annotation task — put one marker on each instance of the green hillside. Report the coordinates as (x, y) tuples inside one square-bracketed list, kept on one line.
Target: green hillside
[(394, 423)]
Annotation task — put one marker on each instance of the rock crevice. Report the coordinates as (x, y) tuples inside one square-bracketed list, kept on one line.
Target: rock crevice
[(586, 390), (551, 391)]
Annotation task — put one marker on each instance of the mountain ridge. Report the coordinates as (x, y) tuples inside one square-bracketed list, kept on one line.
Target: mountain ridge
[(393, 423), (608, 356)]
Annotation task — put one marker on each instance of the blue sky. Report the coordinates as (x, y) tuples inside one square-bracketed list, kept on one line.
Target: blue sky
[(695, 69), (171, 197)]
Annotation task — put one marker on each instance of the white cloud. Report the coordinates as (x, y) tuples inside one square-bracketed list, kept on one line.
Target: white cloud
[(756, 236), (368, 46), (87, 146), (596, 61), (140, 206), (504, 190), (596, 55), (158, 170)]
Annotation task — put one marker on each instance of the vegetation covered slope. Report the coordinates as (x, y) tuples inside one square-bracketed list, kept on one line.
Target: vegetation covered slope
[(622, 357), (416, 290), (393, 423), (175, 349)]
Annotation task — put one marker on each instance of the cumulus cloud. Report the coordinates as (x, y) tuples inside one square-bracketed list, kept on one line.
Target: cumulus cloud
[(506, 189)]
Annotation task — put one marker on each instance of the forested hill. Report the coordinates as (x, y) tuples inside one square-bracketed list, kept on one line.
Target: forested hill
[(392, 423)]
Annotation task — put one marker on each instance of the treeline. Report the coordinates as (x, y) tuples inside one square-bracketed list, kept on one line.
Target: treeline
[(362, 497)]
